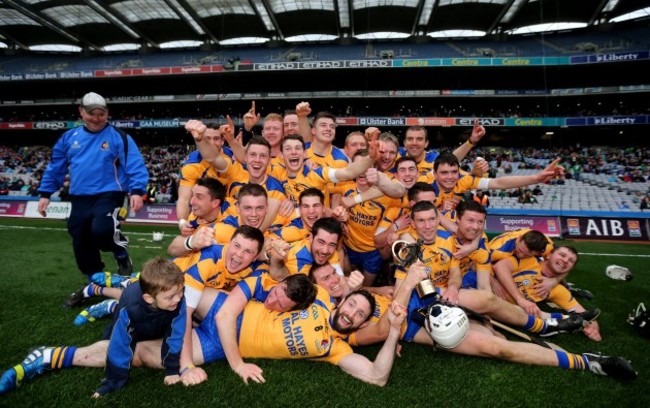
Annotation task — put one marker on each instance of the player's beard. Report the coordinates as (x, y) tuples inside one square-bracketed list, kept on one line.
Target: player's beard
[(336, 326)]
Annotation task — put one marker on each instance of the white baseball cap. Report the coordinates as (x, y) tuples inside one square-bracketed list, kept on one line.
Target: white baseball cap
[(92, 101)]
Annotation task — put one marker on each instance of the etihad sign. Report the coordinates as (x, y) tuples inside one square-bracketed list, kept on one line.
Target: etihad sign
[(49, 125), (481, 121), (275, 66)]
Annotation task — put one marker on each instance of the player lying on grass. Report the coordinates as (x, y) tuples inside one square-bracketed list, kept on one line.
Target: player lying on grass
[(271, 315), (520, 276), (473, 339), (445, 277)]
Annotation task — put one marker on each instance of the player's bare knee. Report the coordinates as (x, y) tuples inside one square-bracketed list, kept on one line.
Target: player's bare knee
[(495, 350), (492, 300)]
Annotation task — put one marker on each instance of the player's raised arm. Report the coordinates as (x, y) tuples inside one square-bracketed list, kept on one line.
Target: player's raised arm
[(358, 167), (377, 372), (478, 131), (226, 321), (508, 182), (303, 110)]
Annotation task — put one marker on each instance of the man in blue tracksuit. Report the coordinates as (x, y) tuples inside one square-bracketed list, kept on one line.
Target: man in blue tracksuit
[(105, 165)]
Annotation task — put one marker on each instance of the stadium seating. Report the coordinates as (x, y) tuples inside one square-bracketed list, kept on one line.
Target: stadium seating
[(573, 43)]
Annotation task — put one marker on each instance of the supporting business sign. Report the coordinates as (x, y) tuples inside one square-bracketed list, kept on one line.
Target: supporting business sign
[(12, 208), (497, 224), (155, 214)]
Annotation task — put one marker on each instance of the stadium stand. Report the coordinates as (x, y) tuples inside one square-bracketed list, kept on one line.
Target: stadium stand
[(591, 43)]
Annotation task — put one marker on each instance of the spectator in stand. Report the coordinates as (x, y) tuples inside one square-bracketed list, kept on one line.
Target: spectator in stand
[(173, 188), (637, 177), (151, 193), (4, 186), (481, 197), (527, 198), (515, 193), (645, 203)]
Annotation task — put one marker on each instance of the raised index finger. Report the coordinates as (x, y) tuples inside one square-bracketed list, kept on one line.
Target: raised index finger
[(555, 162)]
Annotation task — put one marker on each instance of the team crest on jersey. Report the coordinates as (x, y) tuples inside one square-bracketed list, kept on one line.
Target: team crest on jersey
[(75, 145), (526, 282), (104, 145), (322, 345), (304, 314), (314, 311)]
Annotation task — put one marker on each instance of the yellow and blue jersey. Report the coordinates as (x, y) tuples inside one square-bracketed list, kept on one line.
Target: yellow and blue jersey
[(209, 270), (237, 176), (225, 229), (439, 256), (290, 335), (294, 231), (277, 170), (195, 168), (318, 178), (364, 220), (450, 215), (411, 325), (299, 258), (334, 158), (503, 246), (465, 183), (257, 285), (392, 214), (479, 260), (527, 272), (425, 166), (275, 161)]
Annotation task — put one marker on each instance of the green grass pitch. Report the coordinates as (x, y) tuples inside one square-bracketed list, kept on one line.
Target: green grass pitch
[(37, 272)]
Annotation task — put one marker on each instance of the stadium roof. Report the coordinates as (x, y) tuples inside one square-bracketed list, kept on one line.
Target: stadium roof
[(105, 25)]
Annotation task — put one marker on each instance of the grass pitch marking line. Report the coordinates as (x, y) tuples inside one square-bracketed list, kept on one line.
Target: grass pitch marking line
[(62, 229), (625, 255)]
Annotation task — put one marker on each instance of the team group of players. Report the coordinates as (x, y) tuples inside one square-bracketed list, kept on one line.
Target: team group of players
[(286, 251)]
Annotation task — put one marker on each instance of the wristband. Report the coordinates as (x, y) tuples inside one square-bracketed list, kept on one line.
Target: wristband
[(469, 142), (357, 199), (188, 243), (189, 367), (182, 222)]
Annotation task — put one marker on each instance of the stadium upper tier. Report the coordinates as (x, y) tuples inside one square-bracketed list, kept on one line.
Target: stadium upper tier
[(591, 43)]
